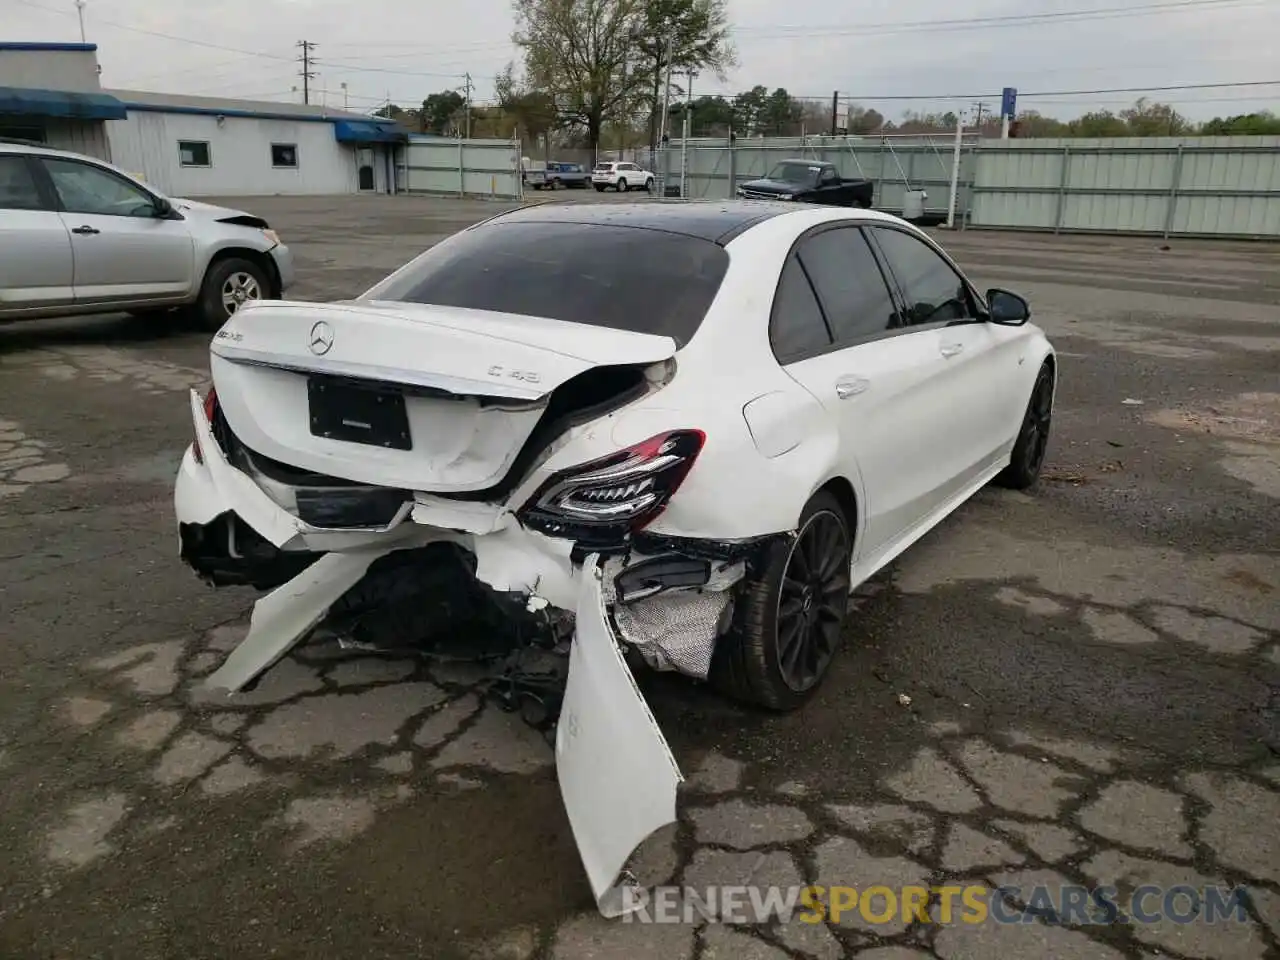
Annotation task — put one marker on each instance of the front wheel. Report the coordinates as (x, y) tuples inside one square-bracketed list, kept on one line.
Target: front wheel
[(789, 613), (1033, 438), (622, 185), (648, 184), (228, 285)]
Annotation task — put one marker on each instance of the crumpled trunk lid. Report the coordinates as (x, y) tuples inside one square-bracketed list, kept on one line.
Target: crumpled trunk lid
[(419, 397)]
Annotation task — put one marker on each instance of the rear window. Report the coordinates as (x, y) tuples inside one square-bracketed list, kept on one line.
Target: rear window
[(604, 167), (624, 278)]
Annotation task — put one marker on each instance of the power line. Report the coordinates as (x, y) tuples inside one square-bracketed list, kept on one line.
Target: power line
[(866, 97), (787, 32)]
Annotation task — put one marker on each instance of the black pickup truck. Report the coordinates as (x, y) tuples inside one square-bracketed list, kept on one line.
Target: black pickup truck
[(809, 181)]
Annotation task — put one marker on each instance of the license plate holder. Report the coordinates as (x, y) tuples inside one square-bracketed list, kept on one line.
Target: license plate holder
[(369, 415)]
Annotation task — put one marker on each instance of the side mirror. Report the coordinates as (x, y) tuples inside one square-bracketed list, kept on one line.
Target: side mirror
[(1008, 308), (163, 207)]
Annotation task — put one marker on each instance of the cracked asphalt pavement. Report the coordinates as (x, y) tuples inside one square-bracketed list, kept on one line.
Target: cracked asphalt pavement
[(1080, 684)]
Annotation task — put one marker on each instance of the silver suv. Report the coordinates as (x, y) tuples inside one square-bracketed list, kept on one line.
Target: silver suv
[(79, 236)]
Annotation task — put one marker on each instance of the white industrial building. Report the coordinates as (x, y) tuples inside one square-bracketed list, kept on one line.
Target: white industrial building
[(192, 146)]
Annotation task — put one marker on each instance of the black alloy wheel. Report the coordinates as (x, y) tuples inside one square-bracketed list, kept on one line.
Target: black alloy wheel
[(812, 600), (1029, 449), (789, 612)]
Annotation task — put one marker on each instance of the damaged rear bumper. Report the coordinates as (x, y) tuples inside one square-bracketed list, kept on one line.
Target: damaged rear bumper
[(668, 600)]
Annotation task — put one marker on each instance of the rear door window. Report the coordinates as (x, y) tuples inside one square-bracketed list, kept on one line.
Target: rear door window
[(796, 327), (18, 190), (625, 278), (853, 290)]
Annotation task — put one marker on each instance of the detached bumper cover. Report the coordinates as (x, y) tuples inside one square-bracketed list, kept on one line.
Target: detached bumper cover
[(618, 779)]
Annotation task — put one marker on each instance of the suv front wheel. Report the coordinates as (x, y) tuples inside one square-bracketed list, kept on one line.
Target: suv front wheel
[(228, 285)]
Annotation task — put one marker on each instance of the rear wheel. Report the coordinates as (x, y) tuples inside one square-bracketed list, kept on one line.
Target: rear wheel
[(1033, 439), (790, 613), (228, 285), (599, 187), (622, 185)]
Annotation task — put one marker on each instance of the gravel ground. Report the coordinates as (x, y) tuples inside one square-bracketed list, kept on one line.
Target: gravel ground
[(1093, 672)]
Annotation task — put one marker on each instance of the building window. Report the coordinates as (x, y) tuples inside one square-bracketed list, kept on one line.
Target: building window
[(194, 153), (17, 131), (284, 154)]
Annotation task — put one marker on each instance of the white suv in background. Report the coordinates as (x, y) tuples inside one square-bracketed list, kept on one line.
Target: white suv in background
[(79, 236), (622, 176)]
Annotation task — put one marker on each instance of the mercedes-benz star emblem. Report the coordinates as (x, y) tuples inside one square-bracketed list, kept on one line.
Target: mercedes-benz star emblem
[(321, 338)]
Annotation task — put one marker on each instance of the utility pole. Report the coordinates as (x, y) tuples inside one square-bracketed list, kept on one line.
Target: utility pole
[(467, 89), (80, 14), (684, 137), (345, 101), (981, 109), (306, 46), (835, 111), (666, 97)]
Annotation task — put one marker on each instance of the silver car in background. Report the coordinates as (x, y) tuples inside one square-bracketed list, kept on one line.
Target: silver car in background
[(79, 236)]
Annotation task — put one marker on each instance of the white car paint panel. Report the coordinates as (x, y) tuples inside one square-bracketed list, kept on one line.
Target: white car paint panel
[(617, 776), (981, 377), (875, 426), (262, 358), (36, 269), (288, 613), (780, 421)]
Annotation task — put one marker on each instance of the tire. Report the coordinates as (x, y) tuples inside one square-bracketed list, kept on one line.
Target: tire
[(648, 184), (599, 187), (622, 184), (212, 308), (748, 662), (1027, 458)]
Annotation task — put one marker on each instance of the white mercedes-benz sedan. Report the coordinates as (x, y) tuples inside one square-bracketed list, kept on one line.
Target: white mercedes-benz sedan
[(687, 430)]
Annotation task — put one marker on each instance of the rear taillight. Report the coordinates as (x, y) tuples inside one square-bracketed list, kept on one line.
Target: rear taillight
[(210, 409), (607, 499)]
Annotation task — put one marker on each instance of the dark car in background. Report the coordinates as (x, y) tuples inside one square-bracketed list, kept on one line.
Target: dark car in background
[(564, 174), (809, 181)]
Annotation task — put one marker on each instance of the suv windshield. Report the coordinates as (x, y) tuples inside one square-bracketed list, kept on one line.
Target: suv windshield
[(625, 278), (794, 171)]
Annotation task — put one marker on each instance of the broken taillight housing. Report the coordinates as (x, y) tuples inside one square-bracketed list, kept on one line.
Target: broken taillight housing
[(613, 496), (210, 408)]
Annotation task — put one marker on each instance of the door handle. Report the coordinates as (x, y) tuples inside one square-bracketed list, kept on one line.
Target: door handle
[(85, 230), (847, 387), (951, 349)]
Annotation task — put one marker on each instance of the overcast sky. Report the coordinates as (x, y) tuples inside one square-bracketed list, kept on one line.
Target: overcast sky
[(405, 50)]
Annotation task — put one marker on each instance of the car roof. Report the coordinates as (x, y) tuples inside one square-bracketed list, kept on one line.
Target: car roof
[(30, 147), (716, 220), (12, 145)]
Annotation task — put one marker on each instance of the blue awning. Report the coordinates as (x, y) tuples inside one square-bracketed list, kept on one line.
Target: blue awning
[(63, 104), (368, 131)]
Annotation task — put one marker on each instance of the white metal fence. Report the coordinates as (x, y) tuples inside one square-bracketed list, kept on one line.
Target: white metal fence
[(1171, 186), (460, 168), (712, 169), (1194, 186)]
